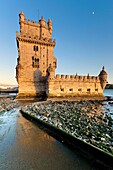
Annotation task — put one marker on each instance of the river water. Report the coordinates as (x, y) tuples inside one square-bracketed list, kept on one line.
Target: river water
[(24, 146)]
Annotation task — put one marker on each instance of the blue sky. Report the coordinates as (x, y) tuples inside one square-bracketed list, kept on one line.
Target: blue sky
[(83, 30)]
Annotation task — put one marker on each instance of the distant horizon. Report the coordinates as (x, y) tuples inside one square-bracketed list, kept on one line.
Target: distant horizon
[(8, 84), (83, 30)]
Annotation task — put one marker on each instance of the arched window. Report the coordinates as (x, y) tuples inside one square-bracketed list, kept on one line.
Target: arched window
[(35, 62), (35, 48)]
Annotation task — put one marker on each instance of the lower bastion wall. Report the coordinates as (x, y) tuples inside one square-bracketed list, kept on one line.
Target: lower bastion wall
[(72, 86), (33, 89)]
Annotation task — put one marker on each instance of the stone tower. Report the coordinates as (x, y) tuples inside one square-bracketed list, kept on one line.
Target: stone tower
[(35, 55)]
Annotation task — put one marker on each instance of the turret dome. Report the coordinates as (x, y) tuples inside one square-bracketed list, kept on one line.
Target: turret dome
[(103, 72), (103, 78)]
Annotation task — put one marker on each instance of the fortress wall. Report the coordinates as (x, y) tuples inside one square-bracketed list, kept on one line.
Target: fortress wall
[(32, 89), (77, 78), (61, 87)]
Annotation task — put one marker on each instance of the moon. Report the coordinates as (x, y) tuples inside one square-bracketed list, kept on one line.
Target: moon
[(93, 12)]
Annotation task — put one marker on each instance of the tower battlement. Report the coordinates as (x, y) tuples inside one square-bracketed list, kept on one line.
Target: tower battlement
[(37, 30)]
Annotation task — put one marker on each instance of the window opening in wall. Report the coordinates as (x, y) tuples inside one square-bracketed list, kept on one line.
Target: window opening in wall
[(88, 90), (70, 89), (62, 89), (35, 62), (96, 89), (80, 89), (35, 48)]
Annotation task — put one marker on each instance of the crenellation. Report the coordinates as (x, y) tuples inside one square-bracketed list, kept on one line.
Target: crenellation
[(80, 78), (67, 77), (72, 77), (84, 78), (62, 76), (93, 77), (57, 76)]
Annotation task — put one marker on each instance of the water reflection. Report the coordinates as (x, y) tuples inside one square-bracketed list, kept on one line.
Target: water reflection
[(23, 146)]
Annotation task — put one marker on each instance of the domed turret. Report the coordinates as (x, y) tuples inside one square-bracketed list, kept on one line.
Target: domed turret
[(103, 78)]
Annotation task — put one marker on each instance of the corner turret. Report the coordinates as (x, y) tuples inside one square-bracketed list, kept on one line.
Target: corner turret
[(21, 17), (42, 22), (50, 72), (103, 78), (21, 21), (50, 26)]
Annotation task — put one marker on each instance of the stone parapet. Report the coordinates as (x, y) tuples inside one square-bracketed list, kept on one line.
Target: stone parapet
[(76, 78), (35, 40)]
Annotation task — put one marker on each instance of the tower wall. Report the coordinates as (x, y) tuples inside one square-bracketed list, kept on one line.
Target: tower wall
[(35, 54)]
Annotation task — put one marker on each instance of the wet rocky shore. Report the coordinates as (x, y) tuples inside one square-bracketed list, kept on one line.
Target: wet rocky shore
[(90, 121), (8, 103)]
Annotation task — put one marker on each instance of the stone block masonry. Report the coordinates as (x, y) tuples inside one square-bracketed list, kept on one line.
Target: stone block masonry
[(36, 64)]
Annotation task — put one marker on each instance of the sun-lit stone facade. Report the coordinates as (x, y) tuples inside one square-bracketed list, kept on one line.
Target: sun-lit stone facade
[(36, 64)]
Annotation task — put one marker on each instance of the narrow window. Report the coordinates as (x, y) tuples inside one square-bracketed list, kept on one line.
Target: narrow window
[(71, 90), (62, 89), (88, 90), (35, 62), (35, 48), (80, 89), (96, 89)]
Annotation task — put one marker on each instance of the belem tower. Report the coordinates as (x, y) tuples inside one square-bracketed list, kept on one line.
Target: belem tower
[(36, 64)]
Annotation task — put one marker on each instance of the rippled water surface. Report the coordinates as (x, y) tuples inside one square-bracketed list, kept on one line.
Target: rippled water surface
[(23, 146), (108, 92)]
